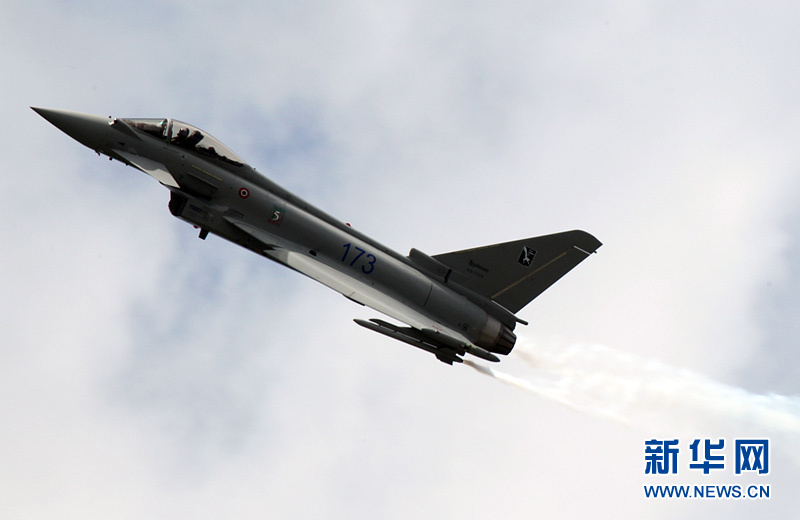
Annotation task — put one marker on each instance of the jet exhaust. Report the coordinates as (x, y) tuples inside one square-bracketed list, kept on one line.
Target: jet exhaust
[(645, 393)]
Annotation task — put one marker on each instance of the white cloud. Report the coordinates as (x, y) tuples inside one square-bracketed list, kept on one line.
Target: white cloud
[(146, 372)]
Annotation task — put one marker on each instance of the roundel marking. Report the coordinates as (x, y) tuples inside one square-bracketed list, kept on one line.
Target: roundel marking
[(244, 193)]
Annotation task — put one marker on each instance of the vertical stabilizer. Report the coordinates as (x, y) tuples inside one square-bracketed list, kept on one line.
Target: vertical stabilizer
[(514, 273)]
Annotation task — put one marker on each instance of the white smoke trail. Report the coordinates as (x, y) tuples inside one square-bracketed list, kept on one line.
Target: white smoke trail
[(647, 393)]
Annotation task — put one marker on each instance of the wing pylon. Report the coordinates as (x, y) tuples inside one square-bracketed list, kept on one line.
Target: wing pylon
[(447, 349)]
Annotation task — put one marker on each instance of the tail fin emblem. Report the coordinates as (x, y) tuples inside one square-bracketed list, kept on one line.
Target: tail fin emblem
[(526, 257)]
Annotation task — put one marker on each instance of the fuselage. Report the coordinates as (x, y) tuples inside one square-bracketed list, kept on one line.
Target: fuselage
[(215, 190)]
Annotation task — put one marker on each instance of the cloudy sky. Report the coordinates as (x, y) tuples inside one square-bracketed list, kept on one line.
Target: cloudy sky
[(149, 374)]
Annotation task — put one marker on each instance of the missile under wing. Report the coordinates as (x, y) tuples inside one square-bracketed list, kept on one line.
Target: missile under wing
[(452, 304)]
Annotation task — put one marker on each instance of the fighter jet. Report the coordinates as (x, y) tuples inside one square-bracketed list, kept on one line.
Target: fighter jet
[(450, 305)]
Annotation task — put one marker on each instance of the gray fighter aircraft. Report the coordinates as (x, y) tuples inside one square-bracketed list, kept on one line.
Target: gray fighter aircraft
[(451, 304)]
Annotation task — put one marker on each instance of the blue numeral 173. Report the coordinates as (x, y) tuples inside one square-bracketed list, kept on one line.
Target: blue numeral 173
[(367, 265)]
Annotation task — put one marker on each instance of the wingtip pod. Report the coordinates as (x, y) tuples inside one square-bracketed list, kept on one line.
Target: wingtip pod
[(407, 335), (446, 349), (462, 347), (483, 354)]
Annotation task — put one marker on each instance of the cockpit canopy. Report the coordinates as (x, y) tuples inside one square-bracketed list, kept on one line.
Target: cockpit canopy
[(186, 136)]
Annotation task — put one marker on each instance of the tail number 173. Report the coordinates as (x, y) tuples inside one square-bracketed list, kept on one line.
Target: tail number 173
[(355, 255)]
